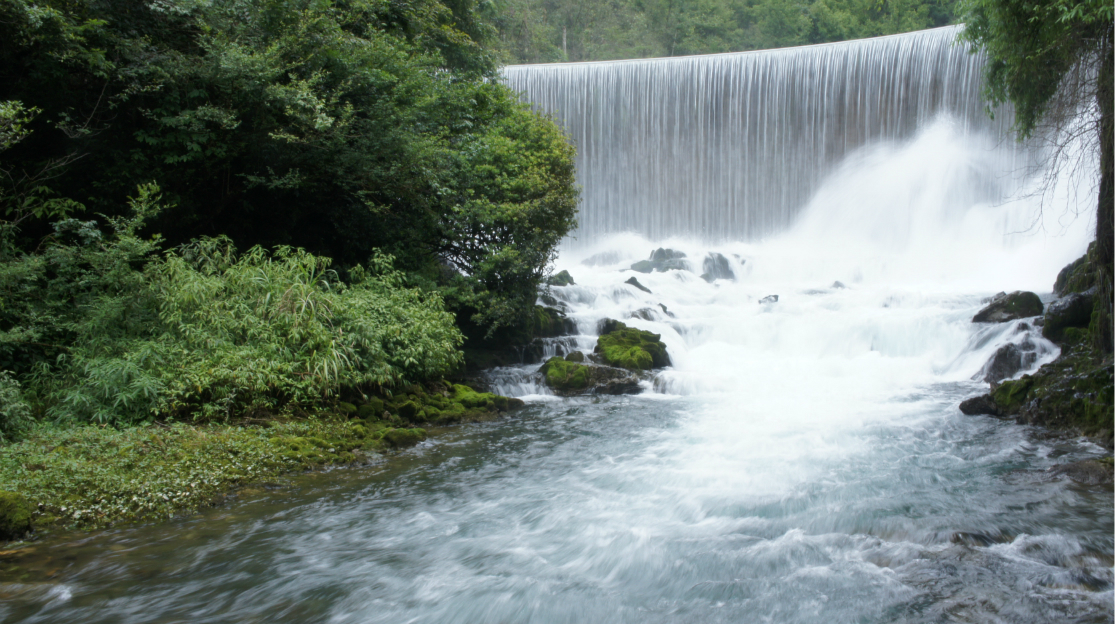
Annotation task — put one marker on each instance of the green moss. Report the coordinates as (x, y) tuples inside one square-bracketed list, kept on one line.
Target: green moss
[(1010, 395), (1075, 392), (564, 375), (88, 477), (408, 410), (630, 348), (346, 408), (372, 409), (402, 438), (562, 278), (15, 515)]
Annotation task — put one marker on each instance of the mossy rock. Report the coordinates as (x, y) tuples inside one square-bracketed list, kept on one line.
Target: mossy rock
[(408, 410), (470, 398), (575, 356), (630, 348), (1008, 307), (372, 410), (562, 278), (346, 408), (565, 375), (551, 322), (1074, 392), (15, 516), (1078, 276), (571, 378), (402, 438), (1073, 311)]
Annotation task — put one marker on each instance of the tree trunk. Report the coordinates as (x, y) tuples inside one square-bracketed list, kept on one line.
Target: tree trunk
[(1105, 224)]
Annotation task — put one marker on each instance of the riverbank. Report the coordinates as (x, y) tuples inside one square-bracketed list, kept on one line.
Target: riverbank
[(91, 477)]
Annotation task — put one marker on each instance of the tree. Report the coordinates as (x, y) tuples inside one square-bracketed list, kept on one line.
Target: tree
[(1052, 60), (339, 127)]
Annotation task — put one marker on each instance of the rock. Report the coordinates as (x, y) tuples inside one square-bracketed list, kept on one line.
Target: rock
[(662, 260), (1006, 361), (769, 299), (575, 356), (570, 378), (716, 266), (408, 411), (647, 314), (370, 410), (1077, 276), (561, 279), (630, 348), (980, 405), (401, 438), (662, 255), (15, 516), (1004, 307), (346, 408), (1087, 472), (551, 322), (634, 282), (838, 284), (1072, 310), (1072, 393), (666, 312)]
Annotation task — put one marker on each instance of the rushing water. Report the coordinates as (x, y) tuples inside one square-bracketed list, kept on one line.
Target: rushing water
[(802, 460)]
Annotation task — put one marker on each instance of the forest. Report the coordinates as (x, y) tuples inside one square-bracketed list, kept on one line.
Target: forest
[(554, 31)]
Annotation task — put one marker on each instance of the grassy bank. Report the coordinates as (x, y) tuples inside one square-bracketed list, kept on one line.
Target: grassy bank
[(90, 476)]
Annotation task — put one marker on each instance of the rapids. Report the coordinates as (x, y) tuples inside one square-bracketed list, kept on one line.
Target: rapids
[(801, 461)]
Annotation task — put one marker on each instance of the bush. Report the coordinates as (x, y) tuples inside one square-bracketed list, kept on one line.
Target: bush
[(107, 331)]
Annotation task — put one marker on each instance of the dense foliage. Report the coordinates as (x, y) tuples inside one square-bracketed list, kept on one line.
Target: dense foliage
[(545, 31), (342, 128), (1052, 60), (103, 329)]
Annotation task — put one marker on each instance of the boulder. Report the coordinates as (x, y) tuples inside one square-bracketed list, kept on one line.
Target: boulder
[(647, 314), (980, 405), (634, 282), (1077, 276), (1072, 310), (15, 516), (663, 255), (630, 348), (838, 284), (575, 356), (1086, 472), (568, 378), (1007, 360), (562, 278), (662, 260), (769, 299), (402, 438), (716, 266), (666, 312), (1004, 307), (551, 322)]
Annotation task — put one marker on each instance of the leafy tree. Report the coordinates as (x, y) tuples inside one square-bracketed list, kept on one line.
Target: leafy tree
[(577, 30), (341, 128), (1052, 60)]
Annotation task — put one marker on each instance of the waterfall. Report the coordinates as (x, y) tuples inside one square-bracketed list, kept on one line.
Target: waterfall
[(732, 146)]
